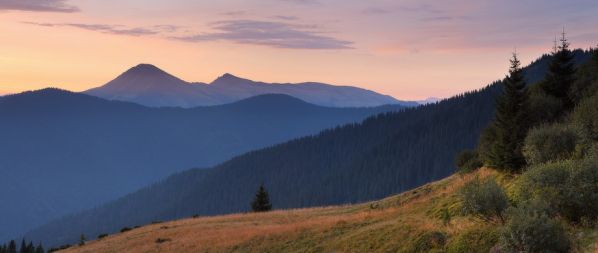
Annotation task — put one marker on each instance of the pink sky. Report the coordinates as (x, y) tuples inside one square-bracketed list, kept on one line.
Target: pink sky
[(410, 49)]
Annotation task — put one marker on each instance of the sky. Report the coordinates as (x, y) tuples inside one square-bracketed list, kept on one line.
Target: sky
[(409, 49)]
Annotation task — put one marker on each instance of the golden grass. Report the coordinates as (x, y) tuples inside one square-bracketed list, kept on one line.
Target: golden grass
[(387, 225)]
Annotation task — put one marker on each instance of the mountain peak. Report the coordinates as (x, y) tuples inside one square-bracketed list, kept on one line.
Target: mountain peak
[(142, 78), (145, 69), (228, 79)]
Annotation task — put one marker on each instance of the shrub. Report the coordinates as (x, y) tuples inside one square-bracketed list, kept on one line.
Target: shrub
[(544, 183), (585, 119), (468, 161), (549, 143), (581, 194), (570, 188), (485, 200), (530, 230), (473, 241), (430, 241), (125, 229), (102, 236)]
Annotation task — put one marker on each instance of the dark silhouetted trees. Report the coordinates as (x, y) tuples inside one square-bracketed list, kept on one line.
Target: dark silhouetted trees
[(511, 122), (561, 74), (24, 248), (261, 201)]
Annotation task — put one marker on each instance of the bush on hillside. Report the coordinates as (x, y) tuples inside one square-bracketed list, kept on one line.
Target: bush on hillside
[(570, 188), (429, 241), (585, 119), (549, 143), (468, 161), (484, 199), (531, 230), (473, 241)]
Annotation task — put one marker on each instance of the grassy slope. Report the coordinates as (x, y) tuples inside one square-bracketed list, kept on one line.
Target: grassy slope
[(394, 224)]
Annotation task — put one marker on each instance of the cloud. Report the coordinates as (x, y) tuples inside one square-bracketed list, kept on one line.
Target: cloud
[(113, 29), (267, 33), (38, 5), (301, 1), (234, 13), (283, 17)]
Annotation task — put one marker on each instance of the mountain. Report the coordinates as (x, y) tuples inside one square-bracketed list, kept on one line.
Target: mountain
[(61, 152), (148, 85), (384, 155)]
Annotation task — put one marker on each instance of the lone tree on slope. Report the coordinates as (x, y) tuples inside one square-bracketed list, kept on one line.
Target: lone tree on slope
[(261, 202)]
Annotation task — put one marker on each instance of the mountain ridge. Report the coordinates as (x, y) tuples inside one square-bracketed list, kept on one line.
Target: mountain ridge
[(109, 148), (149, 85)]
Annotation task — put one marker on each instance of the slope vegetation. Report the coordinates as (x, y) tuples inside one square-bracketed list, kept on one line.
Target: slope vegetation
[(408, 222)]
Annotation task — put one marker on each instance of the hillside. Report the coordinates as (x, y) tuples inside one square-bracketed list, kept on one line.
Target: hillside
[(148, 85), (384, 155), (80, 151), (408, 222)]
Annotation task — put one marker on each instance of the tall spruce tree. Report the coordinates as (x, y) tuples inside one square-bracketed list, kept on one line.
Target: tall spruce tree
[(261, 202), (12, 247), (511, 121), (561, 73)]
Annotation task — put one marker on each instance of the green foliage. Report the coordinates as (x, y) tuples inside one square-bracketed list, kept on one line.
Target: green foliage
[(531, 230), (468, 161), (543, 107), (261, 202), (549, 143), (586, 83), (570, 188), (473, 241), (511, 122), (429, 241), (585, 119), (484, 199), (561, 74)]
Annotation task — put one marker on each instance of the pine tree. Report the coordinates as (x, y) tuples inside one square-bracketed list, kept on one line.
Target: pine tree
[(511, 121), (39, 249), (261, 202), (12, 247), (82, 240), (23, 248), (561, 73)]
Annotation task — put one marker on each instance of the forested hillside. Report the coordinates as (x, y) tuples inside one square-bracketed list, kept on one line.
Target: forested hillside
[(80, 151), (385, 154)]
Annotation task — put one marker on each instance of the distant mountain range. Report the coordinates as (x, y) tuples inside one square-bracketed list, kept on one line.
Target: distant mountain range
[(61, 152), (383, 155), (148, 85)]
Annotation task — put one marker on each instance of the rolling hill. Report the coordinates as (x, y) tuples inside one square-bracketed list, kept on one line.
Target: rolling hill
[(408, 222), (381, 156), (148, 85), (79, 150)]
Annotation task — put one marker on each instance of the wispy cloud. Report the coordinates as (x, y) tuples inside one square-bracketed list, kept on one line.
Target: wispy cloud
[(268, 33), (114, 29), (38, 5), (301, 1), (283, 17)]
